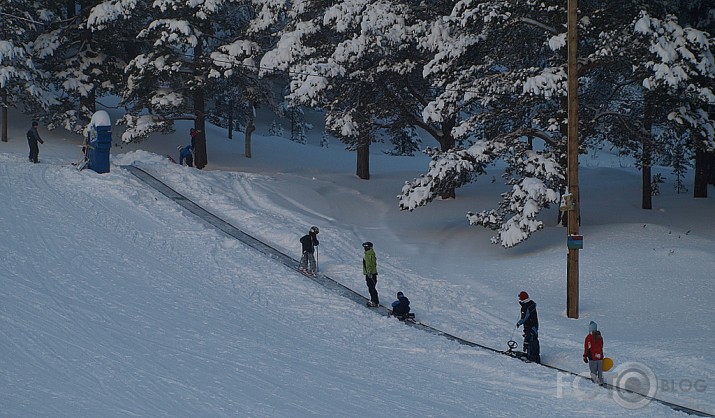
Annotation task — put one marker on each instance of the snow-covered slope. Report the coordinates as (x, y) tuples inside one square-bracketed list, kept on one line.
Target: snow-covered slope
[(115, 302)]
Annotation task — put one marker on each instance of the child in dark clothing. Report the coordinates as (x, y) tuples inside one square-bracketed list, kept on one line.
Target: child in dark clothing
[(308, 242), (401, 307)]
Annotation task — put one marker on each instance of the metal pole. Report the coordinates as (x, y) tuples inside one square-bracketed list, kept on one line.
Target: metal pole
[(572, 279)]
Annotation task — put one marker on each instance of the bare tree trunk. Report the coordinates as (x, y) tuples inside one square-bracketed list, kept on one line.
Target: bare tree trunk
[(230, 124), (702, 168), (646, 158), (250, 127), (200, 157), (3, 105), (647, 197), (363, 160)]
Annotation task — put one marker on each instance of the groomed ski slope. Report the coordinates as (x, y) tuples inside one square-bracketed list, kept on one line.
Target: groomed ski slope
[(116, 303), (628, 391)]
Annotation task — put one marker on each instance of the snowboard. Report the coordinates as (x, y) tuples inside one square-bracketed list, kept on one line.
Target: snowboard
[(607, 364)]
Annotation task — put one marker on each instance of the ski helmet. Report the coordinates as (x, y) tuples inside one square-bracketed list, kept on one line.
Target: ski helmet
[(523, 295), (367, 245), (399, 294), (314, 230)]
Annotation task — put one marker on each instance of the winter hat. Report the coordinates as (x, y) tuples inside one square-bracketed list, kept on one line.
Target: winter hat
[(523, 295), (400, 294), (592, 326)]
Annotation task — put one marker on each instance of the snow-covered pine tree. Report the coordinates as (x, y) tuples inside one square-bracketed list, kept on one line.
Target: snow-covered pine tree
[(497, 68), (682, 66), (235, 65), (360, 61), (191, 45), (82, 65), (296, 115), (508, 60), (22, 83), (276, 129), (679, 161), (405, 141)]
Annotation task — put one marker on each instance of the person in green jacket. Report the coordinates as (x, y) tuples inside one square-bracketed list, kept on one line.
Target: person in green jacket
[(369, 269)]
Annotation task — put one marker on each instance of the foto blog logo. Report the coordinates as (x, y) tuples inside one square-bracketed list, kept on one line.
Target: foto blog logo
[(634, 386)]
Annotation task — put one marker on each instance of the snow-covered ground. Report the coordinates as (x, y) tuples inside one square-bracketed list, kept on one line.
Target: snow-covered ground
[(115, 302)]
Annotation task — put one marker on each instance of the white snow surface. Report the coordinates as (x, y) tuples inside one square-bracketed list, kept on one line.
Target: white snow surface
[(116, 302)]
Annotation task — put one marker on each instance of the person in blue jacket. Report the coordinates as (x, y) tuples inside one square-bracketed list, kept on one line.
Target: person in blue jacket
[(186, 154), (530, 320), (401, 307)]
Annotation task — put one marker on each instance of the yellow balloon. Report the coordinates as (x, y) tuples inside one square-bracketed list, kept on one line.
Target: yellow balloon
[(607, 364)]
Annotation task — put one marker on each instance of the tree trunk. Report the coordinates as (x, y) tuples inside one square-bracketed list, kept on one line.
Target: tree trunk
[(250, 127), (363, 160), (230, 126), (200, 157), (647, 198), (646, 157), (3, 106), (702, 168), (447, 143)]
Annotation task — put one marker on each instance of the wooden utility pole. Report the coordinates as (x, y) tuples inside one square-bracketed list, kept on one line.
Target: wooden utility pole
[(573, 208)]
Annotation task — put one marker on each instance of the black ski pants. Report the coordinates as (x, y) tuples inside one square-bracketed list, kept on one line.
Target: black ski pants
[(372, 288)]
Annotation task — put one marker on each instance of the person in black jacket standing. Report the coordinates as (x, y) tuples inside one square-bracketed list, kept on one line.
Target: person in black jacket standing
[(33, 137), (530, 320), (308, 243)]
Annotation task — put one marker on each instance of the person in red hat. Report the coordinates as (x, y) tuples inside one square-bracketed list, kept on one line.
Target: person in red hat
[(530, 320)]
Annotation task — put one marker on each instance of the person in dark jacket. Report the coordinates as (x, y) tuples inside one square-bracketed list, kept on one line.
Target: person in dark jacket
[(308, 243), (33, 137), (401, 307), (186, 154), (369, 269), (530, 320)]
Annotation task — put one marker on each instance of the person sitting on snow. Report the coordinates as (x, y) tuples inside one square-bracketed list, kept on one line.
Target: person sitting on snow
[(401, 307)]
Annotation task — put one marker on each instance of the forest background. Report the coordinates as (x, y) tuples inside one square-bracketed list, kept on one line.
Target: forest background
[(478, 82)]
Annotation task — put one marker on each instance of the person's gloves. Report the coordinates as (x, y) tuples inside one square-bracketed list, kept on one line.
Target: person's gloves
[(41, 141), (585, 359), (518, 324)]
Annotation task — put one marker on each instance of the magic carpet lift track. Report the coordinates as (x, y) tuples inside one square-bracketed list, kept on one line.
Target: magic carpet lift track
[(340, 289)]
